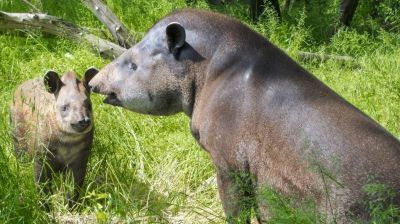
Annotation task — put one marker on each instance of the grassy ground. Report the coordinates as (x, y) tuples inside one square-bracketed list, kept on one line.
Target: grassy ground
[(149, 169)]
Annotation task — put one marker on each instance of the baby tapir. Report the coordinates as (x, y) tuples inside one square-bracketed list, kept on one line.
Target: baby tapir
[(52, 122), (265, 121)]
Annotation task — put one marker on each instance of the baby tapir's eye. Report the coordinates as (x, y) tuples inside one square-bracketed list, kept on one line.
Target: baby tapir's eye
[(132, 66), (65, 107)]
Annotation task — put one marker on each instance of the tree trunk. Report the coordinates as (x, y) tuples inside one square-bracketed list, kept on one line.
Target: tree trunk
[(114, 25), (58, 27)]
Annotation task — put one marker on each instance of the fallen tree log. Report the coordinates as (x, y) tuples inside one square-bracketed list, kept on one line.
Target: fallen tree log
[(58, 27), (302, 55), (120, 33)]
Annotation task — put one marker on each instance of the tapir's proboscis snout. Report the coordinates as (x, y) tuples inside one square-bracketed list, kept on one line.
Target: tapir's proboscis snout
[(265, 120), (99, 84)]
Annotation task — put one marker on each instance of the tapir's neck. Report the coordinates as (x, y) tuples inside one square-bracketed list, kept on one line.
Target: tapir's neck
[(191, 87), (189, 100)]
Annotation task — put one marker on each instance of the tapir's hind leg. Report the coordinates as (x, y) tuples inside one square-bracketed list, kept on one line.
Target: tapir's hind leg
[(262, 213), (236, 193)]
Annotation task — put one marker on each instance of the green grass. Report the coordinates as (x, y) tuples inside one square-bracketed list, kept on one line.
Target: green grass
[(149, 169)]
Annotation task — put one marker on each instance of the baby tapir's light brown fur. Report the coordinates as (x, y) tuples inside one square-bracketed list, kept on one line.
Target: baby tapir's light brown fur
[(52, 122)]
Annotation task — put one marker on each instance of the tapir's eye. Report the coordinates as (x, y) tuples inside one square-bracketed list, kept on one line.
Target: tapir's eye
[(132, 66), (65, 107)]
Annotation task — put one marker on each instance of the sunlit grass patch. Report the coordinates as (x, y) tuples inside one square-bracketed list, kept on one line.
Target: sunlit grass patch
[(150, 169)]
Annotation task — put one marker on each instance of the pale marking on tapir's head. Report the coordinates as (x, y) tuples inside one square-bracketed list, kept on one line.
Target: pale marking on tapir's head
[(72, 109)]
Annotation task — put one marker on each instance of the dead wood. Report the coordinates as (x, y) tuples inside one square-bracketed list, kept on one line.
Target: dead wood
[(120, 33), (302, 55), (58, 27)]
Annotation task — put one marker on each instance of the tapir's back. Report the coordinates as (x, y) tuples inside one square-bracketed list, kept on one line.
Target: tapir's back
[(344, 149), (314, 120), (31, 105)]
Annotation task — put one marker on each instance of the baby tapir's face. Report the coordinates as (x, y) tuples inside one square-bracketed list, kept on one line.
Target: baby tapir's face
[(73, 109)]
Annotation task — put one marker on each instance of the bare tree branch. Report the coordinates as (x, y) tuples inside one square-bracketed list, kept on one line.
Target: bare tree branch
[(58, 27), (120, 33), (322, 57)]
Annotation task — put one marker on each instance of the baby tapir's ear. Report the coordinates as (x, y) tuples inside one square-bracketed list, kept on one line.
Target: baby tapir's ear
[(176, 36), (52, 82), (89, 74)]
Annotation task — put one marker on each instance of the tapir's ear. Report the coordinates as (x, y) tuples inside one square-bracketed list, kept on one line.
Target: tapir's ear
[(175, 37), (52, 82), (89, 74)]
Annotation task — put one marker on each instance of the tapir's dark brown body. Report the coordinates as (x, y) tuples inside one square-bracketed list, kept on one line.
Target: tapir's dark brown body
[(54, 128), (255, 111)]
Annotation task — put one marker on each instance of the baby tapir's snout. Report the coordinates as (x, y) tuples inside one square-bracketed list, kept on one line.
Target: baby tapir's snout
[(82, 124)]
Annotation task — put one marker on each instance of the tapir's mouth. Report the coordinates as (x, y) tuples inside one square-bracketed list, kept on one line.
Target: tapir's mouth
[(112, 99)]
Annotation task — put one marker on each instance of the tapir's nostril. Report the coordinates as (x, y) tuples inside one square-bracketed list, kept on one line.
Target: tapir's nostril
[(84, 121), (92, 88), (82, 124)]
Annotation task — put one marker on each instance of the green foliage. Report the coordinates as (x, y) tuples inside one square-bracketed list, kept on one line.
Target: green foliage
[(149, 169), (284, 209), (19, 199), (294, 36), (373, 15), (379, 202), (389, 13)]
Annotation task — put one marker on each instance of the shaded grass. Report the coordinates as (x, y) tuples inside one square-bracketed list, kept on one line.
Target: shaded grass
[(287, 210), (379, 201), (149, 169)]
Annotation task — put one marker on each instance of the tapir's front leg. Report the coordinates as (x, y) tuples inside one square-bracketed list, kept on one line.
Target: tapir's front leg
[(78, 169), (236, 193)]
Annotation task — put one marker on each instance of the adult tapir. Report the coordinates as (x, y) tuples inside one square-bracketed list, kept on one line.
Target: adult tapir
[(257, 112)]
